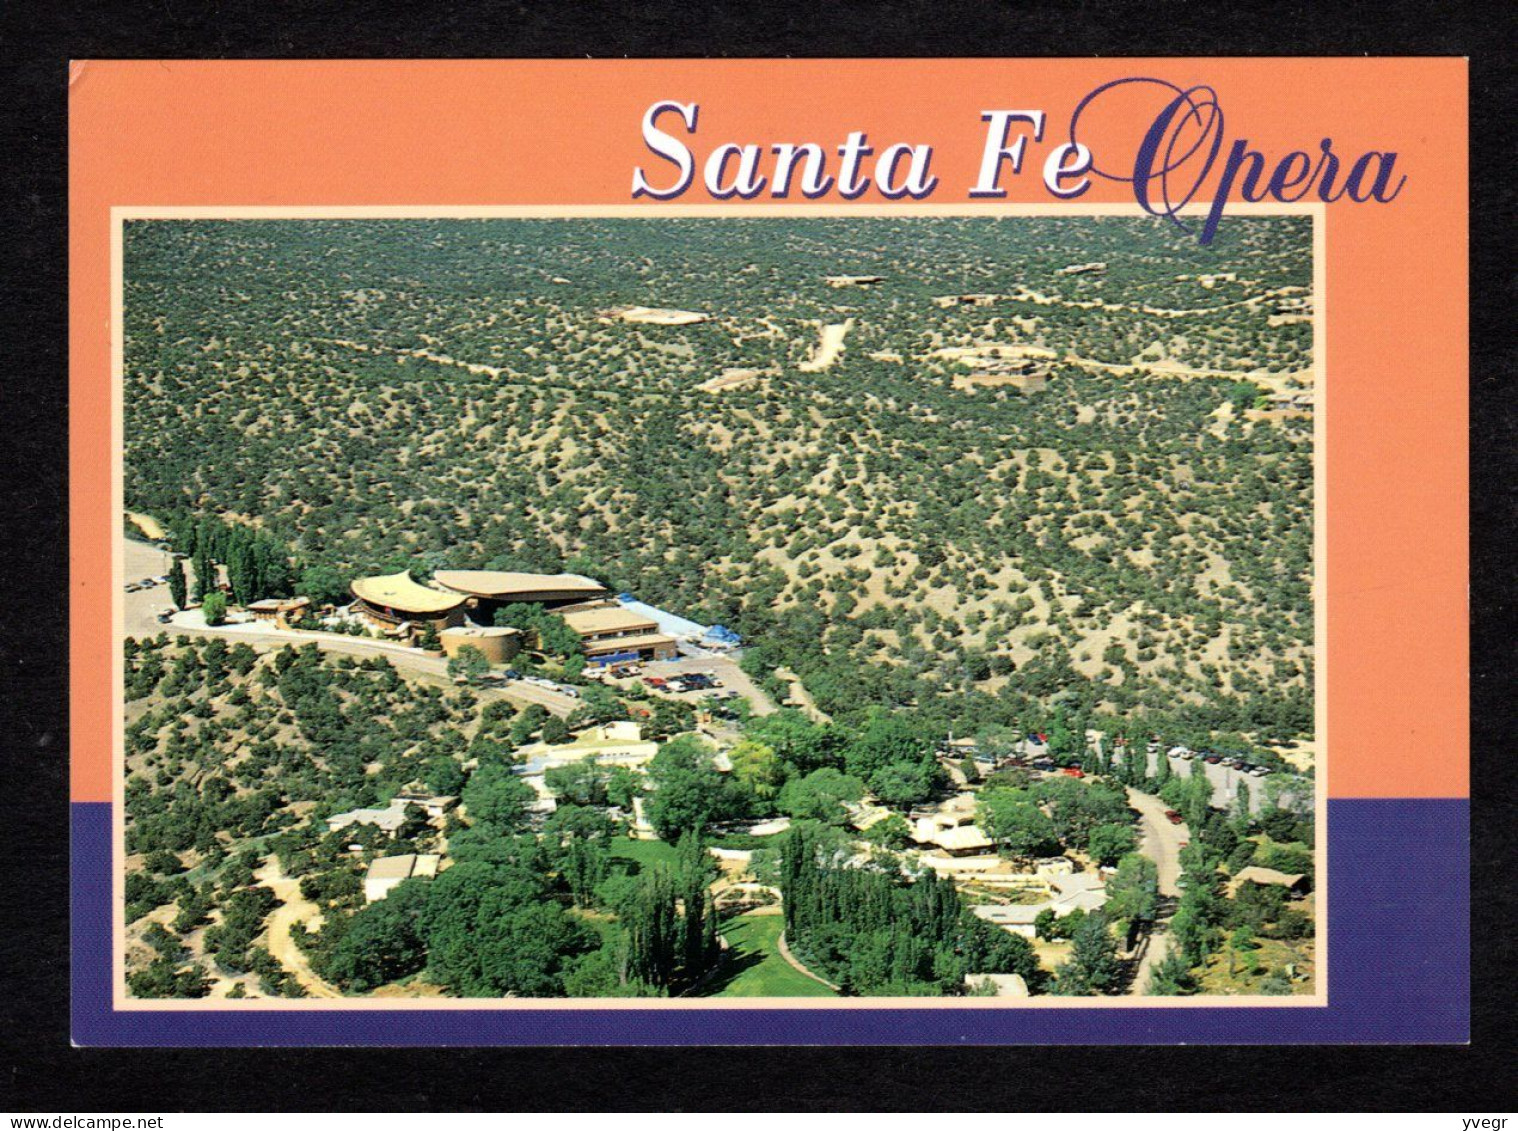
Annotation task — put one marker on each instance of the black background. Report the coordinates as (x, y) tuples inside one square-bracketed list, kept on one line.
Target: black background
[(41, 1072)]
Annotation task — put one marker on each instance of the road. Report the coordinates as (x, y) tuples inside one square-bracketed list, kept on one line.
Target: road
[(802, 697), (141, 619), (1161, 841), (294, 908)]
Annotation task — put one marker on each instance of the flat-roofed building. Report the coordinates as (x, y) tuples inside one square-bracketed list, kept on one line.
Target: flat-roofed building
[(388, 871), (607, 629), (281, 611), (498, 645), (398, 606)]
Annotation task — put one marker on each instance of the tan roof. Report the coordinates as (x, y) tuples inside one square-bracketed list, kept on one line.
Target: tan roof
[(475, 632), (399, 591), (278, 603), (963, 837), (392, 867), (1257, 875), (503, 585), (403, 867), (606, 618), (627, 643)]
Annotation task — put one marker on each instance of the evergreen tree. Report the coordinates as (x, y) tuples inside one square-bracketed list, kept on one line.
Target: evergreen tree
[(205, 569), (1092, 968), (178, 587)]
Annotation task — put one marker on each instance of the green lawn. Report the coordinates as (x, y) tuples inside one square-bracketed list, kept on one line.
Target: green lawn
[(647, 853), (755, 968)]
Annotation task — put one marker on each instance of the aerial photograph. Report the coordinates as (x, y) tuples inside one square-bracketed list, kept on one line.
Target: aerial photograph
[(737, 606)]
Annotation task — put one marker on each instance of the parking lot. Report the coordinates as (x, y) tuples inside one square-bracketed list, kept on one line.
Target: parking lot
[(732, 677)]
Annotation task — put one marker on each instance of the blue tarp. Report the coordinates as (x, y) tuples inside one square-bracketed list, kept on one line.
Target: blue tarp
[(723, 635)]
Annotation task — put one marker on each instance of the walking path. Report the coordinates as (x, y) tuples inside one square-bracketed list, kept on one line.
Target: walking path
[(785, 953), (294, 908)]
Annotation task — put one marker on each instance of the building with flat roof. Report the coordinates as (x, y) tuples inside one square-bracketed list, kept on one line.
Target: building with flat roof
[(498, 645), (388, 871), (280, 611), (397, 605), (609, 630)]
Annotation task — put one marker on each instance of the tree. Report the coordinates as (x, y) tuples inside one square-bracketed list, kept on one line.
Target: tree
[(758, 767), (381, 943), (821, 795), (1092, 968), (1241, 807), (214, 608), (496, 796), (205, 569), (902, 784), (1198, 795), (891, 831), (469, 664), (490, 931), (1171, 976), (583, 782), (556, 731), (1109, 843), (689, 793), (584, 866), (797, 741), (1017, 825), (1241, 944), (1134, 893), (324, 584), (178, 587)]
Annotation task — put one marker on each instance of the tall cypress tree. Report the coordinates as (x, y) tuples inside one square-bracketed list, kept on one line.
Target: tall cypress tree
[(178, 586)]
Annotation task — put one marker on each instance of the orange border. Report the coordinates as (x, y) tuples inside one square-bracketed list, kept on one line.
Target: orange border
[(472, 133)]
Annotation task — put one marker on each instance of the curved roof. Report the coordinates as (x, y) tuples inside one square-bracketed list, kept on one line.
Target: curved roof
[(399, 591), (502, 586)]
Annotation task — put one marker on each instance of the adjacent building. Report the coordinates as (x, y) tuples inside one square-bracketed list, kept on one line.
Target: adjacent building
[(610, 632), (399, 606), (388, 871), (486, 590), (282, 612), (498, 645)]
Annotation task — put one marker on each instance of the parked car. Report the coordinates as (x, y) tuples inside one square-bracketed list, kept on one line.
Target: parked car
[(1073, 772), (512, 673), (166, 616), (572, 692), (654, 681), (1173, 817), (1212, 759)]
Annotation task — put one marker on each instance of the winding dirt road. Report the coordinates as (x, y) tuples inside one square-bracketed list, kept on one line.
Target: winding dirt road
[(294, 908)]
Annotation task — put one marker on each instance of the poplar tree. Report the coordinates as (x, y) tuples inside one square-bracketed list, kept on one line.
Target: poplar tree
[(178, 587)]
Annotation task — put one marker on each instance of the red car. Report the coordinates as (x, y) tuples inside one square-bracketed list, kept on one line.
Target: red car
[(1173, 817), (1073, 772), (653, 680)]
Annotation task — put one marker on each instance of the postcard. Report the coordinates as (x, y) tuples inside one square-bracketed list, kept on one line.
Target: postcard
[(769, 552)]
